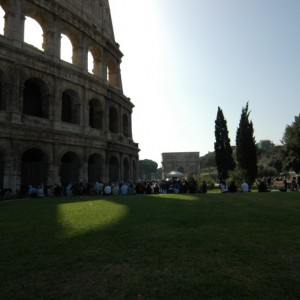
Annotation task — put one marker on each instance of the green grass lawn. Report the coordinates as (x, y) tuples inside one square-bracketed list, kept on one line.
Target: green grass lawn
[(204, 246)]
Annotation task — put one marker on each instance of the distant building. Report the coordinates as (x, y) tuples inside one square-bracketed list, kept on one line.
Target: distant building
[(187, 163)]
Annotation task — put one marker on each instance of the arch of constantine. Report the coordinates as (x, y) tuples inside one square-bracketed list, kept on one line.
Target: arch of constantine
[(59, 121)]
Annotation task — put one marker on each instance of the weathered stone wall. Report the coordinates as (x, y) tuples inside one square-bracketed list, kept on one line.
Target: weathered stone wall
[(54, 114)]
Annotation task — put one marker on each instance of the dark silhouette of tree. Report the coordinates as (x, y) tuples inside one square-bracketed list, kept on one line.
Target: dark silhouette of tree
[(291, 143), (246, 153), (223, 151), (147, 168)]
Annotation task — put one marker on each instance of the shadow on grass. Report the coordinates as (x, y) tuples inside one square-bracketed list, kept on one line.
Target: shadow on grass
[(152, 247)]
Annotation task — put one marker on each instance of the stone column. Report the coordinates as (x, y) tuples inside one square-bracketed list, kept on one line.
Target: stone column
[(15, 95), (52, 39), (56, 165), (14, 24), (80, 54)]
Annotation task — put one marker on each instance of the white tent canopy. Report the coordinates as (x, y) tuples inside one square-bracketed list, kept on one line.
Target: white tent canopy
[(174, 174)]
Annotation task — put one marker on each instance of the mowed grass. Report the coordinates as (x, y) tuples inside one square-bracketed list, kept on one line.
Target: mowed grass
[(210, 246)]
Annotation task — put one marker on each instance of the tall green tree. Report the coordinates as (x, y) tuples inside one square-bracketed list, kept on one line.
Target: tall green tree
[(223, 151), (147, 168), (291, 143), (246, 153)]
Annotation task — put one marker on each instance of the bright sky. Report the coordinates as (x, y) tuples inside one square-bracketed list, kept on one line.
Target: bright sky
[(184, 58)]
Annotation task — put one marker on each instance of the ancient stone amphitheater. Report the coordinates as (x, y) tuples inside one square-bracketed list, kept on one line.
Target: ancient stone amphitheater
[(58, 121)]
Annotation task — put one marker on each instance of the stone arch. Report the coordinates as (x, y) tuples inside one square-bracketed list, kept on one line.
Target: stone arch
[(74, 38), (113, 120), (126, 125), (70, 107), (34, 167), (126, 170), (95, 168), (36, 98), (113, 169), (66, 49), (113, 71), (3, 91), (96, 63), (69, 168), (96, 114), (33, 25)]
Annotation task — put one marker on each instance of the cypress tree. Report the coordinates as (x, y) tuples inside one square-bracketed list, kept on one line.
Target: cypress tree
[(246, 153), (223, 151)]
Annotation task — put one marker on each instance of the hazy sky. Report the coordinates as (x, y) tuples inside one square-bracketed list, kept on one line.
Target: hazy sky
[(184, 58)]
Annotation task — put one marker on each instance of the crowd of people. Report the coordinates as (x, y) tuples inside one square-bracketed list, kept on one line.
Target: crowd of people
[(154, 187)]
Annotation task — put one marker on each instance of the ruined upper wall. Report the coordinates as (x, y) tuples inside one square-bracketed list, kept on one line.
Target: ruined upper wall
[(95, 12)]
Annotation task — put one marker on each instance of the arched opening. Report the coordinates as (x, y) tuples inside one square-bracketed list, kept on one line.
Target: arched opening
[(125, 125), (2, 160), (113, 169), (66, 49), (69, 168), (113, 120), (33, 33), (112, 71), (70, 107), (126, 170), (2, 91), (95, 165), (90, 62), (34, 167), (35, 98), (2, 20), (95, 61), (95, 114)]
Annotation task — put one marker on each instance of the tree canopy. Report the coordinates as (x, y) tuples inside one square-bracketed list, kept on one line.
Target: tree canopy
[(291, 143), (245, 147), (147, 168), (223, 151)]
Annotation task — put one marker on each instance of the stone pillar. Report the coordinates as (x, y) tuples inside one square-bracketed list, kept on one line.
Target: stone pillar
[(56, 117), (15, 95), (85, 167), (56, 165), (52, 40), (80, 55), (14, 24), (85, 115), (121, 167)]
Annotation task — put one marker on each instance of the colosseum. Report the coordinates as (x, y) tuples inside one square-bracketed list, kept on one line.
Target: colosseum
[(60, 121)]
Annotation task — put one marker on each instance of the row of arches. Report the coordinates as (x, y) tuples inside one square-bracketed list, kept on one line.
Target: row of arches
[(35, 168), (37, 100), (69, 44)]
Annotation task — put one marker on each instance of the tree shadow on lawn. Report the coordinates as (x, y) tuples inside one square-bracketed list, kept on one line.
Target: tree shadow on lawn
[(151, 247)]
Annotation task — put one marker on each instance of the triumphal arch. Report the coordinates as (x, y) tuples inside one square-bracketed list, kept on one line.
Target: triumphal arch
[(60, 121)]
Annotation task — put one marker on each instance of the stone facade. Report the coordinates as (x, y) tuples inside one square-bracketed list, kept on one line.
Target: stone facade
[(59, 122), (187, 163)]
